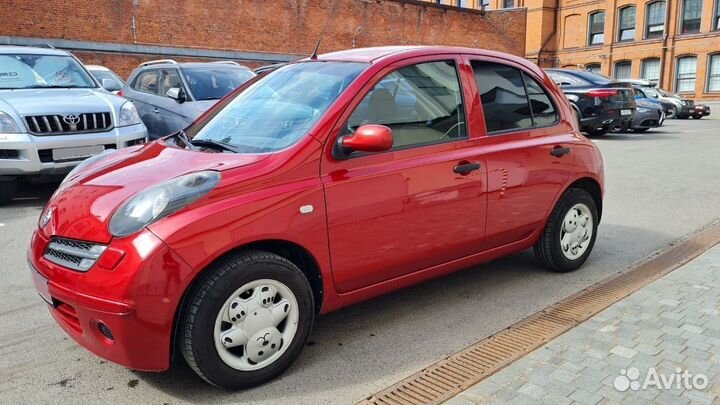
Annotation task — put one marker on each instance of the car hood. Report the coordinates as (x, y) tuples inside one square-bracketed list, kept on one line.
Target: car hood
[(59, 101), (85, 202)]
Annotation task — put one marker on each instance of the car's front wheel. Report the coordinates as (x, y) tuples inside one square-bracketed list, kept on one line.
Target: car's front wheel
[(569, 235), (247, 320), (671, 112)]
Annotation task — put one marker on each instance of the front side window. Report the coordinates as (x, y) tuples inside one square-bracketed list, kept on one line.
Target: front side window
[(511, 100), (169, 78), (650, 69), (626, 27), (147, 82), (27, 71), (691, 14), (655, 20), (685, 76), (214, 83), (596, 28), (714, 73), (280, 108), (422, 104), (593, 67), (622, 70)]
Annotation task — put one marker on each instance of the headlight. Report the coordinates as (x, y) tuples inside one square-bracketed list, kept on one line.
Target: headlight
[(162, 200), (643, 110), (8, 125), (128, 115), (87, 162)]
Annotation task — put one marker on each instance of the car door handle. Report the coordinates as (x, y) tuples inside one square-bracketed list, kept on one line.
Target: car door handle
[(559, 151), (466, 168), (156, 110)]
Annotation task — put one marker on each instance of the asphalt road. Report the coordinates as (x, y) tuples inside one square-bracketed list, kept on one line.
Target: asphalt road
[(661, 186)]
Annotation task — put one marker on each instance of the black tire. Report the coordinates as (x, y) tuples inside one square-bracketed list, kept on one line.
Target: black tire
[(683, 117), (640, 129), (7, 190), (671, 112), (547, 249), (206, 300), (597, 131), (697, 116), (619, 128)]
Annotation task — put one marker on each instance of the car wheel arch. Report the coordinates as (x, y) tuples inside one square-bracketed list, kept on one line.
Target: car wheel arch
[(291, 251), (592, 187)]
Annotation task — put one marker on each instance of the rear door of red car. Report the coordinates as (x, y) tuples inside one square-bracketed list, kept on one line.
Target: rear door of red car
[(528, 148), (396, 212)]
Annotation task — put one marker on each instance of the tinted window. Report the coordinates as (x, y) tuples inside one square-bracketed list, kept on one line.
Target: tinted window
[(511, 99), (422, 104), (214, 83), (563, 79), (147, 82)]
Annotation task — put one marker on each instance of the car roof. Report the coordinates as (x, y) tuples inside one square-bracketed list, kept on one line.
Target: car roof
[(30, 50), (583, 74)]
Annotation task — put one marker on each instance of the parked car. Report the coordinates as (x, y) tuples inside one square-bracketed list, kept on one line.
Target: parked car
[(600, 102), (286, 201), (101, 73), (647, 115), (701, 110), (646, 90), (171, 95), (268, 68), (683, 107), (54, 114)]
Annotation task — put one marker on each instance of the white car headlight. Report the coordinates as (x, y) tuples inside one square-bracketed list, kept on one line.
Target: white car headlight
[(160, 201), (8, 125), (128, 115)]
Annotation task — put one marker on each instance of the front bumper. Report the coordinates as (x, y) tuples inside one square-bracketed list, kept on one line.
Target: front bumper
[(650, 119), (33, 154), (126, 314)]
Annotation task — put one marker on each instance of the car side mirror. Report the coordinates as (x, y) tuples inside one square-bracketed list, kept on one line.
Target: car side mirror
[(176, 94), (368, 138), (110, 85)]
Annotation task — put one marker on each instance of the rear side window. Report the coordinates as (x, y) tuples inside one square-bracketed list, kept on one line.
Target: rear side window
[(422, 104), (511, 99), (147, 82)]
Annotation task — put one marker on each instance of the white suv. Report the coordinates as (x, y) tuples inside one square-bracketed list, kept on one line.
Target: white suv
[(54, 114)]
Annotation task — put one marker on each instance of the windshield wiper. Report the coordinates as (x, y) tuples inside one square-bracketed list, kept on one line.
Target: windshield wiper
[(215, 144), (183, 137)]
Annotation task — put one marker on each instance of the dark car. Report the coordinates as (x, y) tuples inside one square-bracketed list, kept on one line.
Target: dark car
[(170, 95), (600, 102)]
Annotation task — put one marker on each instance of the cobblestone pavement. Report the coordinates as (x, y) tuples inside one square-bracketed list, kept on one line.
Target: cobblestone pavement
[(670, 326)]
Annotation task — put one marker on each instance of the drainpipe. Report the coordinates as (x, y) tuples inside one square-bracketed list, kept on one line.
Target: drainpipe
[(552, 34), (663, 55)]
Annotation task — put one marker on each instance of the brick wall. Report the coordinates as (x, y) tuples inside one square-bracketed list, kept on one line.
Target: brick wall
[(281, 26)]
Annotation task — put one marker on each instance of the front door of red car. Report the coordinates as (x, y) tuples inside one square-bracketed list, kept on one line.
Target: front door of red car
[(529, 150), (418, 205)]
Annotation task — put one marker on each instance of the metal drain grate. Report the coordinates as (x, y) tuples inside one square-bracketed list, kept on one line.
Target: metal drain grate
[(448, 377)]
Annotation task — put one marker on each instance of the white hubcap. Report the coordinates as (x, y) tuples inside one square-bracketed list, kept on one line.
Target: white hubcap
[(576, 231), (256, 324)]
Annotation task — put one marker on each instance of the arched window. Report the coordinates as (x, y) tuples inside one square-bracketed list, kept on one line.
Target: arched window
[(626, 24), (596, 28), (713, 80), (622, 69), (592, 67), (691, 14), (685, 74), (650, 69), (655, 20)]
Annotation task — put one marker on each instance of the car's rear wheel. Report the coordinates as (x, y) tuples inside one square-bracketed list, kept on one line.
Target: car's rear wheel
[(247, 320), (597, 131), (7, 190), (569, 235), (620, 127)]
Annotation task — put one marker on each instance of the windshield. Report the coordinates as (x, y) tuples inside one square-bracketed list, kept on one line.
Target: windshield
[(23, 71), (650, 92), (106, 74), (214, 83), (277, 110)]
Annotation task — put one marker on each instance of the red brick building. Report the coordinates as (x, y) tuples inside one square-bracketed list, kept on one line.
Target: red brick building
[(122, 33)]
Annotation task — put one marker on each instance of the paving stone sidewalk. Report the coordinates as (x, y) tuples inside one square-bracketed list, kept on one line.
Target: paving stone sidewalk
[(669, 325)]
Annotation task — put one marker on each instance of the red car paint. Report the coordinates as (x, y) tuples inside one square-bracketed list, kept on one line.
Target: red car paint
[(380, 223)]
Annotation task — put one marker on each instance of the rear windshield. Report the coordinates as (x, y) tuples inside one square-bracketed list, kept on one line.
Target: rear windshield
[(214, 83), (279, 108), (23, 71)]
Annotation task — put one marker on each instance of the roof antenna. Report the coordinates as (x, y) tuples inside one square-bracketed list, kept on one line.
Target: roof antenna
[(314, 55)]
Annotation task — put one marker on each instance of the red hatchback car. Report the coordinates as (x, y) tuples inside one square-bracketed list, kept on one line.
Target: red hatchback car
[(323, 183)]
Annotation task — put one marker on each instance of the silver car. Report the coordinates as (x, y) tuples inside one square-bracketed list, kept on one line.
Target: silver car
[(54, 114), (169, 95)]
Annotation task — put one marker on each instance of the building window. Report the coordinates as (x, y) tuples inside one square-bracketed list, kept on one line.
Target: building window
[(716, 22), (655, 20), (650, 70), (685, 76), (463, 3), (508, 3), (626, 27), (714, 73), (691, 13), (593, 67), (622, 69), (596, 28)]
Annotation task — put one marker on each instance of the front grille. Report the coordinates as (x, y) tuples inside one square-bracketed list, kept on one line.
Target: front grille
[(73, 254), (68, 124)]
